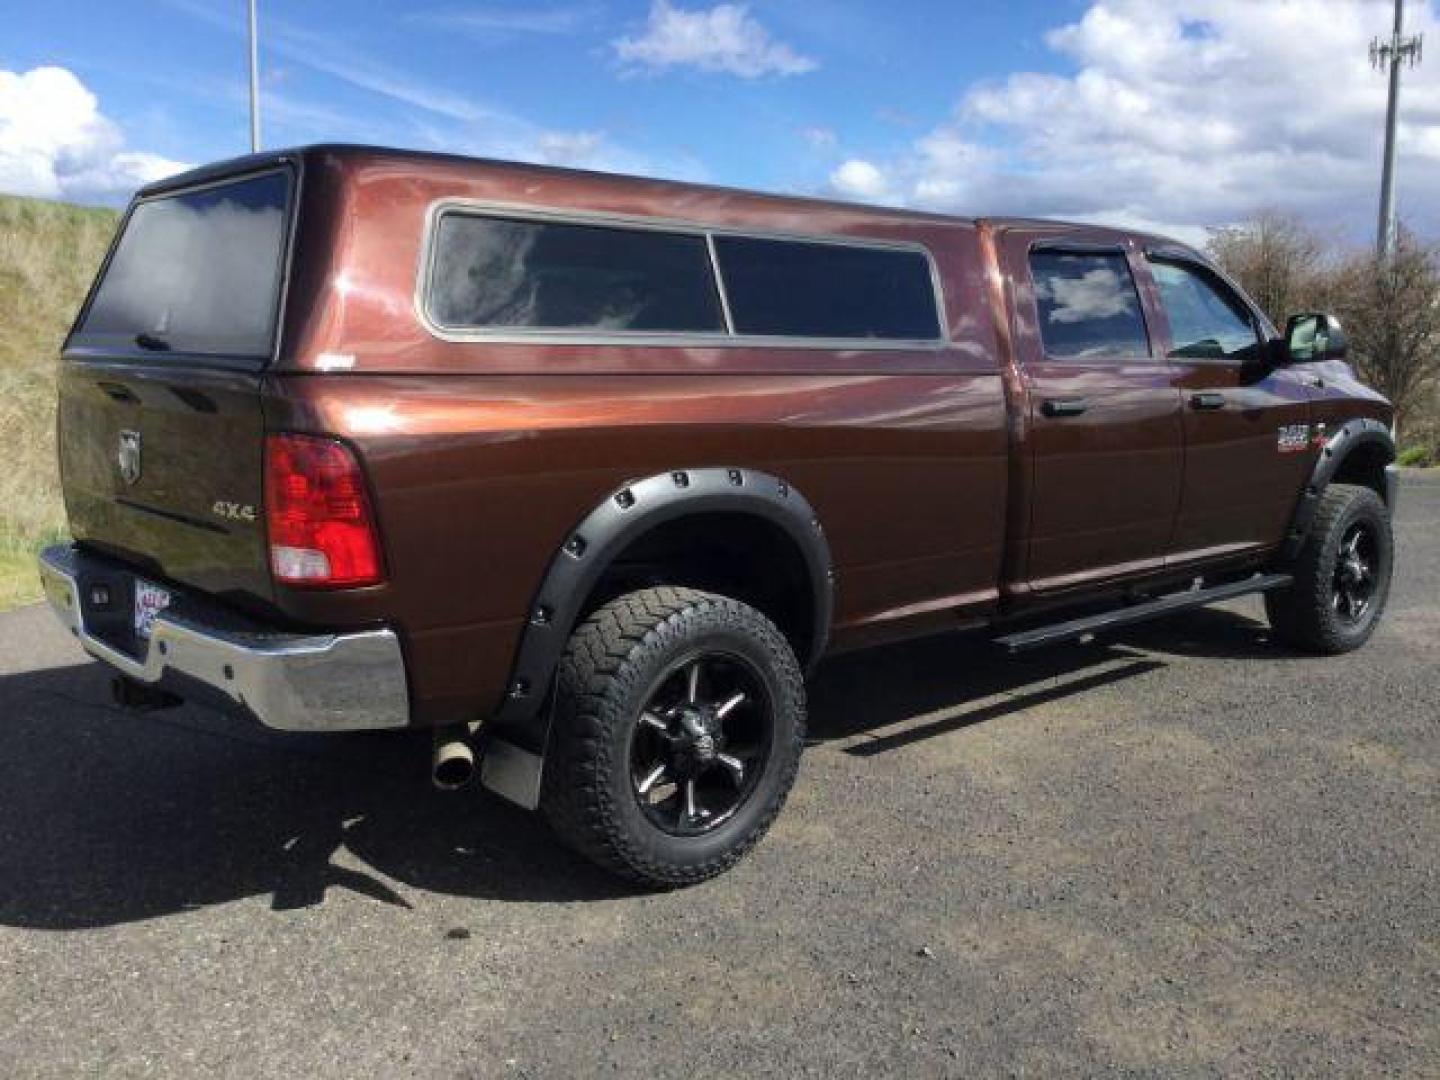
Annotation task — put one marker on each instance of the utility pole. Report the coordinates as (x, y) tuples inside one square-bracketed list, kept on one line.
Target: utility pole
[(1391, 54), (255, 85)]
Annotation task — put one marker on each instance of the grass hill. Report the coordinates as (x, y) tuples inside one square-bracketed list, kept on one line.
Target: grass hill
[(48, 255)]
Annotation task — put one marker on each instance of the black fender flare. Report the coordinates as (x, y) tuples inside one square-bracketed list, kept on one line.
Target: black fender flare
[(516, 733), (1344, 441)]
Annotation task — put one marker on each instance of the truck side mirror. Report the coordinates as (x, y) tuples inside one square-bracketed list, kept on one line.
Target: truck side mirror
[(1314, 337)]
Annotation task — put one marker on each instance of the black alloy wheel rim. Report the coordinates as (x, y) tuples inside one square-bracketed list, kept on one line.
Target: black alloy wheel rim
[(701, 743), (1357, 570)]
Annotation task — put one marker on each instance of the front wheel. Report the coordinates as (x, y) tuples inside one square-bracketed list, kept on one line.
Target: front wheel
[(1342, 575), (679, 718)]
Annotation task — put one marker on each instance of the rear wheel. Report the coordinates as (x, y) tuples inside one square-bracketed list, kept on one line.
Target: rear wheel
[(678, 726), (1342, 575)]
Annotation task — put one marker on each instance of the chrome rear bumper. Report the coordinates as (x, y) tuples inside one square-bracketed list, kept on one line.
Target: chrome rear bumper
[(290, 682)]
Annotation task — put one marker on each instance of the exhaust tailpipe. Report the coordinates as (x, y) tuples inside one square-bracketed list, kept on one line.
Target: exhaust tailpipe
[(453, 764)]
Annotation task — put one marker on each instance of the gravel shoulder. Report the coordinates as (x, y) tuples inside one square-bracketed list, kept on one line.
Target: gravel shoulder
[(1181, 851)]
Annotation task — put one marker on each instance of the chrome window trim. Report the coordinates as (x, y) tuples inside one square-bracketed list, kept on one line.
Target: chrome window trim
[(670, 338), (720, 284)]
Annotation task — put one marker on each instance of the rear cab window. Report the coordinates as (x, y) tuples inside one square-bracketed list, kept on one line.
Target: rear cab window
[(195, 273), (492, 274), (1088, 306)]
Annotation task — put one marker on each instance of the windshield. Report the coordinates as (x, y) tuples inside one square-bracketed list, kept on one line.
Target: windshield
[(196, 272)]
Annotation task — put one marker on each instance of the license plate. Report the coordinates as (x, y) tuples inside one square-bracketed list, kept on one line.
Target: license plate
[(150, 600)]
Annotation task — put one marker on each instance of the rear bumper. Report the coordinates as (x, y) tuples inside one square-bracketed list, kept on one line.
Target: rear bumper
[(290, 682)]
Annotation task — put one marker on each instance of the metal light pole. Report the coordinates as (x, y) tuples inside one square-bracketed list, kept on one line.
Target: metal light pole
[(1392, 54), (254, 84)]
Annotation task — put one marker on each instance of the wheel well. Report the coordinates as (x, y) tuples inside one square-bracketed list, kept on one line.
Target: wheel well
[(1364, 466), (739, 555)]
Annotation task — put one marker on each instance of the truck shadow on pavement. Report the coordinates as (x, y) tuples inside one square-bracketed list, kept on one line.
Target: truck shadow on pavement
[(109, 818), (945, 679)]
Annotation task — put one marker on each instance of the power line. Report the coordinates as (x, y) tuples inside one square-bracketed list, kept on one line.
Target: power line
[(1392, 54)]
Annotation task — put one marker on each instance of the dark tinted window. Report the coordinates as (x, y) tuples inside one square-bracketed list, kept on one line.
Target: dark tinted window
[(198, 272), (499, 273), (801, 289), (1088, 305), (1206, 320)]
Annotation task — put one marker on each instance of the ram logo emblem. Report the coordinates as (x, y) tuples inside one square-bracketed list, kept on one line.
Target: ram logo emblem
[(128, 457)]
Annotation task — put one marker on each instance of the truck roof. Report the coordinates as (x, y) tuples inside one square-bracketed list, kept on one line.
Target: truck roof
[(423, 159)]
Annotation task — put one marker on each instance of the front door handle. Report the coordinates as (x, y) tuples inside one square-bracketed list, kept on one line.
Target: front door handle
[(1202, 402), (1064, 406)]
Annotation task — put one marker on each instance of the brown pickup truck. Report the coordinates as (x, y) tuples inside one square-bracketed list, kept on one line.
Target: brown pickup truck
[(584, 472)]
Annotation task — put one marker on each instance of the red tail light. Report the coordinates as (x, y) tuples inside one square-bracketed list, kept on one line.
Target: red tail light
[(322, 531)]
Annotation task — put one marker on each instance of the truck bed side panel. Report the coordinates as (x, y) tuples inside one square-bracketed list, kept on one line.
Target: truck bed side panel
[(482, 479)]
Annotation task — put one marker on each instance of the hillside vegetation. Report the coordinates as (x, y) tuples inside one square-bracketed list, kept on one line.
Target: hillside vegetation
[(48, 256), (1390, 309)]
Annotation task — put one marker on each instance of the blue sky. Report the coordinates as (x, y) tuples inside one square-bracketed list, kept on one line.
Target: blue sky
[(1174, 113)]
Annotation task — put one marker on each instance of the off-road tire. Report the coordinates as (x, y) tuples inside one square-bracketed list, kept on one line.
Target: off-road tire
[(610, 664), (1304, 615)]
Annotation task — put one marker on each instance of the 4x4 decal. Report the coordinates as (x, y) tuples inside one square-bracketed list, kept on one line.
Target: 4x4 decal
[(233, 511)]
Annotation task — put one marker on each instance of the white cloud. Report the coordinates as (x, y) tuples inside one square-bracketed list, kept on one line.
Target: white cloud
[(820, 138), (1194, 235), (56, 144), (489, 22), (725, 38), (583, 149), (1189, 113), (568, 147), (860, 179)]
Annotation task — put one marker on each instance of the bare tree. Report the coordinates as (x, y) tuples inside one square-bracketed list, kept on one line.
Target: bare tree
[(1277, 260), (1391, 314)]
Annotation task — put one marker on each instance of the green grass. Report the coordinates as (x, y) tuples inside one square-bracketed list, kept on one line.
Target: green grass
[(48, 255), (1417, 457)]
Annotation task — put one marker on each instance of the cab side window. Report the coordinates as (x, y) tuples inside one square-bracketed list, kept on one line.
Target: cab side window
[(1207, 321), (1088, 306)]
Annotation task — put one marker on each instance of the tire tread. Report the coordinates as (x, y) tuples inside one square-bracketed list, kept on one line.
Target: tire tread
[(598, 660), (1301, 615)]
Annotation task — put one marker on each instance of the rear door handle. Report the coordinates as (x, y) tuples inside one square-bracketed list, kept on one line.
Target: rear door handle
[(1064, 406), (1202, 402)]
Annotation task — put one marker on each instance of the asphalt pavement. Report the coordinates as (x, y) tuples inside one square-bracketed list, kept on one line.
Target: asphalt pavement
[(1181, 851)]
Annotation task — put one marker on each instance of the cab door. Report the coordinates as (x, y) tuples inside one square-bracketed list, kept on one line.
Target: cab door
[(1246, 422), (1103, 424)]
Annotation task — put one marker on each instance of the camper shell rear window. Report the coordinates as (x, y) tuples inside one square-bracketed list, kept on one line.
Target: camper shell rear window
[(196, 272)]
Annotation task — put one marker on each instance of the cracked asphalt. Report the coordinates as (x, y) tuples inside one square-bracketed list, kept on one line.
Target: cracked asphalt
[(1182, 851)]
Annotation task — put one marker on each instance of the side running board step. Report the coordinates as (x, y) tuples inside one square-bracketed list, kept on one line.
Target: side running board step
[(1135, 613)]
